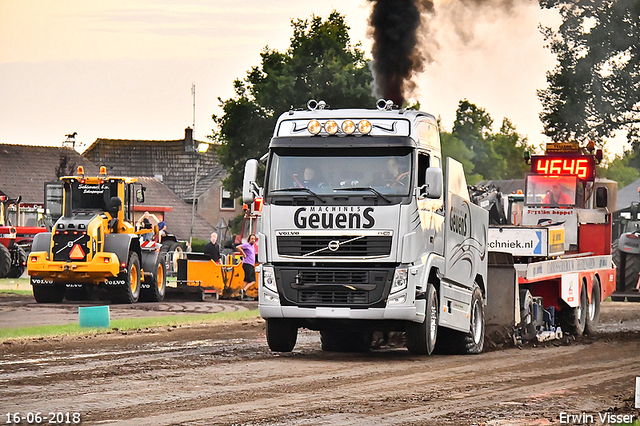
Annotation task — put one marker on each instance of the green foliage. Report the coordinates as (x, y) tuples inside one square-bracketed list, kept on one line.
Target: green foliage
[(321, 63), (620, 171), (197, 245), (483, 154), (595, 88)]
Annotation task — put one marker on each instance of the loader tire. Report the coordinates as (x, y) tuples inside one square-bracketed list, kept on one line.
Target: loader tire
[(346, 341), (17, 270), (5, 261), (281, 334), (130, 292), (573, 320), (465, 343), (421, 337), (48, 293), (157, 285), (593, 309)]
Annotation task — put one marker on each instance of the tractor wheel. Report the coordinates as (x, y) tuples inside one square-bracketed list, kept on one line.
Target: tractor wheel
[(173, 252), (346, 341), (130, 292), (631, 271), (17, 270), (573, 320), (48, 293), (472, 342), (281, 334), (421, 337), (593, 309), (157, 285), (5, 261), (616, 257)]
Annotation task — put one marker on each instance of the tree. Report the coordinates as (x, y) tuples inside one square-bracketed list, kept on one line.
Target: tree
[(620, 171), (595, 88), (320, 64)]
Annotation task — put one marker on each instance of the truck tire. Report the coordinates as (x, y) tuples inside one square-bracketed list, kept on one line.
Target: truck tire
[(48, 293), (346, 341), (130, 292), (17, 270), (593, 309), (281, 334), (573, 320), (5, 261), (157, 285), (461, 343), (421, 337)]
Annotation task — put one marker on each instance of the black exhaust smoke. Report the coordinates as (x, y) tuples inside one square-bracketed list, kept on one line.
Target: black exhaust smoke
[(394, 26)]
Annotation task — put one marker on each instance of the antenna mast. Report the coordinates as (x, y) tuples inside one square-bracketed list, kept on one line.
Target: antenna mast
[(193, 95)]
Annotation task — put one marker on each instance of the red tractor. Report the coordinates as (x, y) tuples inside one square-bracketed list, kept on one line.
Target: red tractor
[(19, 223)]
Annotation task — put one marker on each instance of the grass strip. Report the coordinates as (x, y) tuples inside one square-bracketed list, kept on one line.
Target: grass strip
[(124, 324)]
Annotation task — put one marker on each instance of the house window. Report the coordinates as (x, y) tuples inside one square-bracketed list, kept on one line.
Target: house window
[(227, 202)]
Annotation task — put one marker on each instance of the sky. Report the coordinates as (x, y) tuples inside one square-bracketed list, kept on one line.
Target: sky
[(124, 69)]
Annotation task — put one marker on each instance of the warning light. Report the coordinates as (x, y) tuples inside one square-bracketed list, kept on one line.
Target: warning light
[(76, 252), (80, 170), (103, 170)]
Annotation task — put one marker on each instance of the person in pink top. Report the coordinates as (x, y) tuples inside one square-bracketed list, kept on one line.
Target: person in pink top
[(248, 252)]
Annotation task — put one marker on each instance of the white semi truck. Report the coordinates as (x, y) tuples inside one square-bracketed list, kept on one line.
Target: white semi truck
[(361, 233)]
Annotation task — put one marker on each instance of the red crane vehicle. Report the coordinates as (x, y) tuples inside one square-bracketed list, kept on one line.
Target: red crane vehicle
[(558, 235), (19, 223)]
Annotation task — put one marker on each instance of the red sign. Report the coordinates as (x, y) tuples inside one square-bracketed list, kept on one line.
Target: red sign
[(555, 165)]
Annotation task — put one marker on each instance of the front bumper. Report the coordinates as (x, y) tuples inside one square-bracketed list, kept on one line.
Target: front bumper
[(103, 267)]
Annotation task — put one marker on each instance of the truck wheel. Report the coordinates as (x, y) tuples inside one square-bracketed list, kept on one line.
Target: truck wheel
[(130, 292), (593, 309), (346, 341), (17, 270), (48, 293), (573, 320), (5, 261), (421, 337), (157, 285), (472, 342), (281, 334)]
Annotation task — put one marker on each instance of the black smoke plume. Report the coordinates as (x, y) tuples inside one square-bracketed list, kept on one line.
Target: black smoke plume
[(394, 27)]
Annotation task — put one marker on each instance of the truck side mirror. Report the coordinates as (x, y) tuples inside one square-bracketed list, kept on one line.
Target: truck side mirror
[(601, 197), (140, 195), (433, 182), (250, 189)]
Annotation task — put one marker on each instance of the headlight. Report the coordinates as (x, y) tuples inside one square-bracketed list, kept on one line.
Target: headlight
[(269, 278), (399, 280)]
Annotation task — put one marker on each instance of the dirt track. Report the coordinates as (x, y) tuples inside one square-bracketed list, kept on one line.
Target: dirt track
[(225, 374)]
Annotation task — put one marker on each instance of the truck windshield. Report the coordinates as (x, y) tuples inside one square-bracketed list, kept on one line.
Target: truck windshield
[(550, 191), (91, 196), (340, 171)]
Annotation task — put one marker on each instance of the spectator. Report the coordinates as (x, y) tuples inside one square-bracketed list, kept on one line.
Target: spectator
[(248, 252), (212, 249), (162, 229), (145, 223)]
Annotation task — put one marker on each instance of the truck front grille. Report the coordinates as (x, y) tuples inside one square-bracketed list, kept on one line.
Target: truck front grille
[(334, 286), (345, 245)]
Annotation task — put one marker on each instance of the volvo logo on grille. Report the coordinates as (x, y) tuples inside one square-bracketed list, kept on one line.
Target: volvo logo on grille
[(334, 245)]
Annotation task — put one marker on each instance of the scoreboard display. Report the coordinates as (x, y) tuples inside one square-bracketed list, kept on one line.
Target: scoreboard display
[(581, 166)]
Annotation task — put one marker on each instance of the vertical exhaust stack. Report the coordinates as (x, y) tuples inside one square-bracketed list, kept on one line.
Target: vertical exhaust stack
[(394, 27)]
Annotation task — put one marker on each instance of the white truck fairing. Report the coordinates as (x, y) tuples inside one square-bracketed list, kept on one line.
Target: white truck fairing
[(356, 224)]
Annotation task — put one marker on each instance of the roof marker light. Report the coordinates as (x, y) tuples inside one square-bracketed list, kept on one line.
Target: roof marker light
[(80, 170), (331, 127), (364, 127), (314, 127), (348, 127)]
